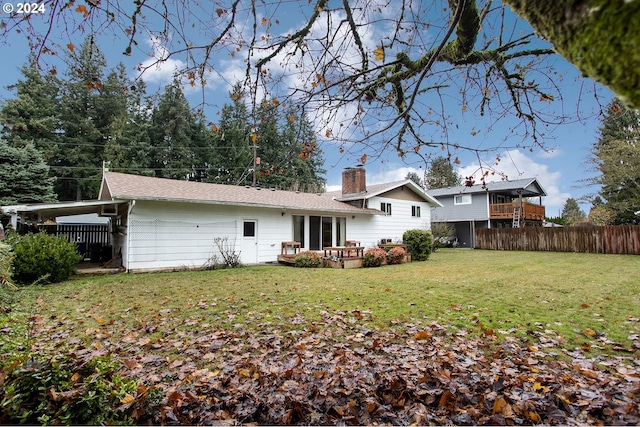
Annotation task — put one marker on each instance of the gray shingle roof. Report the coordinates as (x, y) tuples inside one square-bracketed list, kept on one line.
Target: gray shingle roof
[(377, 189), (134, 187), (528, 186)]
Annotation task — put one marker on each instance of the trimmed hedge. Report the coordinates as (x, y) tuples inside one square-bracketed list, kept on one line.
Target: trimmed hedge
[(396, 255), (419, 244), (374, 257)]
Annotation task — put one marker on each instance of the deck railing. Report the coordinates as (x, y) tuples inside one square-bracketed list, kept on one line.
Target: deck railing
[(530, 211)]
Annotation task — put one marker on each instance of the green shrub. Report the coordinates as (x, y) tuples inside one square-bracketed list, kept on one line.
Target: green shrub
[(308, 259), (374, 257), (442, 233), (7, 288), (65, 391), (419, 244), (44, 258), (396, 255)]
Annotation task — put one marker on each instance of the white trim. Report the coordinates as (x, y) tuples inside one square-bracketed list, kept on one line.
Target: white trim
[(463, 200)]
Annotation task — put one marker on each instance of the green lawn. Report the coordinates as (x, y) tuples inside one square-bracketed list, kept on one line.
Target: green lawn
[(581, 299), (468, 337)]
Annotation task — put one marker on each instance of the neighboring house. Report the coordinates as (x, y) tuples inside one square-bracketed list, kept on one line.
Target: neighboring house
[(502, 204), (167, 224)]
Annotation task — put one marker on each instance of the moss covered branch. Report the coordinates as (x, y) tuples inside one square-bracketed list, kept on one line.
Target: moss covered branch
[(600, 37)]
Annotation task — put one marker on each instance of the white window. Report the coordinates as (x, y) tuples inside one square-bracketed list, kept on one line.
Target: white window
[(462, 199), (385, 207), (415, 211)]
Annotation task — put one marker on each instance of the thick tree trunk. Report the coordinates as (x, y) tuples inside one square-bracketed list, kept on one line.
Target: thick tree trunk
[(600, 37)]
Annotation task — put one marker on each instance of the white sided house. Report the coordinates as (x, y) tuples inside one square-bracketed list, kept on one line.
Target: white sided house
[(168, 224)]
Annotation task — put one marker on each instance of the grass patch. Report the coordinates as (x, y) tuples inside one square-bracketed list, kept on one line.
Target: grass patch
[(581, 300)]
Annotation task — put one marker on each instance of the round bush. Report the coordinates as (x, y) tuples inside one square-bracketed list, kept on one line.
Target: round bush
[(374, 257), (44, 258), (419, 244), (396, 255), (308, 259)]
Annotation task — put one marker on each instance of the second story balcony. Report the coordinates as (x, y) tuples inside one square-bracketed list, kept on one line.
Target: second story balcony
[(530, 211)]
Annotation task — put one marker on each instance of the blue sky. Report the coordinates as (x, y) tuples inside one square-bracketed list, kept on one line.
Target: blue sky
[(561, 169)]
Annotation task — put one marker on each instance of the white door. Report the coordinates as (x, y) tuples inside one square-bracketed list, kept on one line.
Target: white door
[(249, 245)]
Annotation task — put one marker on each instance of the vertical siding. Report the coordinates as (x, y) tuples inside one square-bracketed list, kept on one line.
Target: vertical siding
[(609, 240)]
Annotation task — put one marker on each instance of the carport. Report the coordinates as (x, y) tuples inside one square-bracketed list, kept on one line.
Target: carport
[(93, 240)]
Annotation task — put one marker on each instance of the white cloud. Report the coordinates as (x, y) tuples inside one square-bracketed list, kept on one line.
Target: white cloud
[(516, 165), (159, 68), (550, 153), (392, 174)]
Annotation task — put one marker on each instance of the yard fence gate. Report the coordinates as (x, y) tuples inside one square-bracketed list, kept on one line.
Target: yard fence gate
[(622, 239)]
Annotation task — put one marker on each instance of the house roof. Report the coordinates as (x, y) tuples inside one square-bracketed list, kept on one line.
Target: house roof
[(378, 189), (528, 186), (51, 210), (134, 187)]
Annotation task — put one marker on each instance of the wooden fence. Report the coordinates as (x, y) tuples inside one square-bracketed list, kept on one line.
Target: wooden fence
[(624, 239)]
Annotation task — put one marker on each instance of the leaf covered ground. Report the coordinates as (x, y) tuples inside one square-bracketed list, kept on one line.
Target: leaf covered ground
[(221, 357), (338, 371)]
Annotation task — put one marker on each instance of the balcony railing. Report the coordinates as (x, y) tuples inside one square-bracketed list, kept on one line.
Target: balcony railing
[(530, 211)]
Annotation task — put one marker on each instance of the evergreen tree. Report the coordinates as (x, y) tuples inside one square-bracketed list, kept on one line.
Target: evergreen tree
[(234, 142), (571, 213), (128, 148), (415, 178), (289, 153), (78, 160), (617, 159), (171, 132), (33, 115), (205, 155), (441, 174), (24, 175)]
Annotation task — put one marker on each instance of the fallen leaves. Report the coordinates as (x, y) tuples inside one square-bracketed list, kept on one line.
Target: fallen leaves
[(340, 369)]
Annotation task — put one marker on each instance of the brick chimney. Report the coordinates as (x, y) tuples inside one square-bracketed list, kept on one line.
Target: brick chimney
[(354, 180)]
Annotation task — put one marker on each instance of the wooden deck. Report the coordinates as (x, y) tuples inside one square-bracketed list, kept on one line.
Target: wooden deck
[(288, 252), (530, 211), (348, 256)]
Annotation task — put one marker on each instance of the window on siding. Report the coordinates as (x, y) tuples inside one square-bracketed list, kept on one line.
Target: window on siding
[(462, 199), (298, 229), (341, 231), (415, 211), (249, 229), (327, 231), (385, 207)]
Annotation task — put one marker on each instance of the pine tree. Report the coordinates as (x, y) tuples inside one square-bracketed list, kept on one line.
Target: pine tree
[(415, 178), (33, 115), (128, 148), (234, 143), (78, 160), (617, 159), (23, 175), (289, 153), (441, 174), (571, 213), (171, 132)]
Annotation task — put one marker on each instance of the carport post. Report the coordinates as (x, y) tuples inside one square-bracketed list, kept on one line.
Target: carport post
[(14, 220)]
